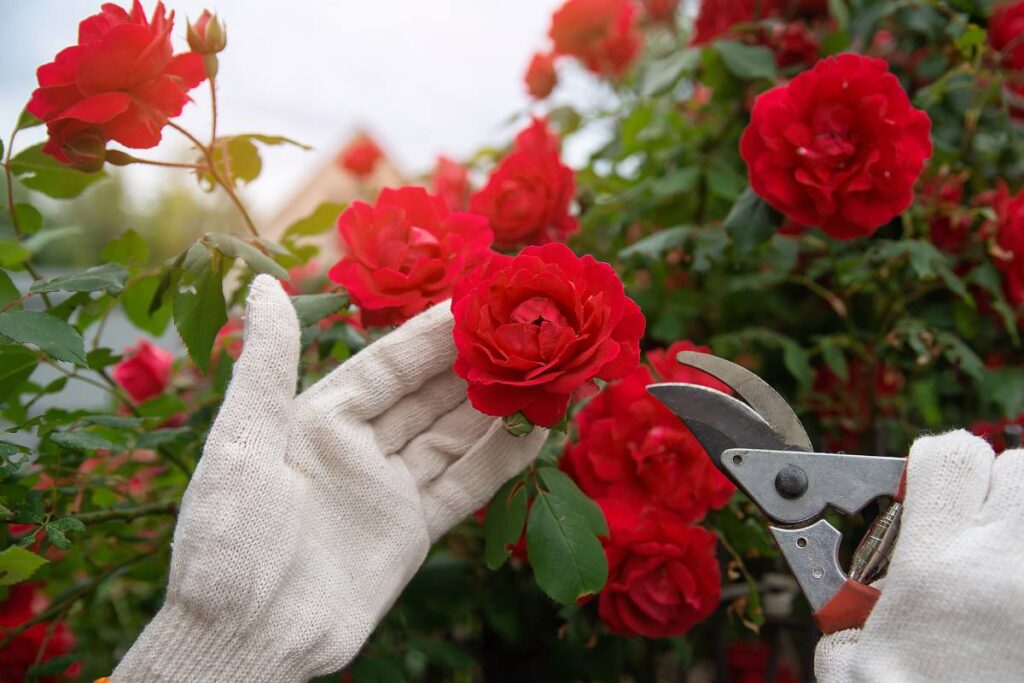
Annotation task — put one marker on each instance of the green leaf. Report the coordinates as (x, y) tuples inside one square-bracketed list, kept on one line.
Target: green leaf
[(748, 62), (43, 173), (567, 558), (81, 441), (559, 484), (238, 159), (135, 301), (751, 221), (52, 335), (162, 437), (675, 183), (16, 365), (233, 247), (108, 277), (101, 358), (199, 308), (312, 308), (29, 218), (128, 249), (725, 182), (8, 292), (834, 358), (40, 240), (28, 120), (115, 421), (323, 218), (1005, 388), (654, 246), (13, 253), (797, 362), (54, 666), (661, 74), (503, 525), (840, 12), (18, 564)]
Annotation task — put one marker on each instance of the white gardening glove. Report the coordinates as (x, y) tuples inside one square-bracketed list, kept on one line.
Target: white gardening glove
[(952, 603), (307, 515)]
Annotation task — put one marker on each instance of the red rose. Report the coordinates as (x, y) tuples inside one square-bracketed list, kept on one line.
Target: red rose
[(360, 157), (840, 147), (1009, 251), (1006, 33), (600, 33), (540, 75), (793, 44), (451, 181), (25, 601), (949, 222), (405, 253), (121, 83), (661, 10), (535, 329), (751, 662), (671, 370), (994, 431), (527, 197), (662, 573), (632, 448), (716, 18), (145, 370)]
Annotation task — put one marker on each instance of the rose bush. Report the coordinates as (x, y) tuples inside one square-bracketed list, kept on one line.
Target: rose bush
[(827, 193)]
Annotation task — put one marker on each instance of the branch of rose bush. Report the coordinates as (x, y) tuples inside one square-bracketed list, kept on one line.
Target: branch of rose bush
[(741, 565), (71, 597), (215, 174), (165, 507)]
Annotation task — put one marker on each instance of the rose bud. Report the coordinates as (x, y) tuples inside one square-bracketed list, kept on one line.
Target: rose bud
[(207, 36)]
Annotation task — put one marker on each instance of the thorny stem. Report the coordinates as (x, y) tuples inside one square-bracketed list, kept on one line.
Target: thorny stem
[(213, 109), (215, 174), (165, 164)]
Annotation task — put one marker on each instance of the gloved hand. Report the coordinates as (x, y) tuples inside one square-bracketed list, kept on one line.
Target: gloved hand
[(952, 603), (308, 514)]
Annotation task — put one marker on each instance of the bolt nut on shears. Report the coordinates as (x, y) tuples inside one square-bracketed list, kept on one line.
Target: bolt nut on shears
[(756, 439)]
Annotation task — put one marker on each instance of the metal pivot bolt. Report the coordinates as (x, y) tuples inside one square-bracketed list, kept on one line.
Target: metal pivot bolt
[(791, 482)]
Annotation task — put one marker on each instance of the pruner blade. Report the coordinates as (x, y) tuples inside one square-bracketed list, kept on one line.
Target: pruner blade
[(717, 420)]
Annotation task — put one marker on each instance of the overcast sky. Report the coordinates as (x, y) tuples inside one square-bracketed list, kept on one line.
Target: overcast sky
[(423, 77)]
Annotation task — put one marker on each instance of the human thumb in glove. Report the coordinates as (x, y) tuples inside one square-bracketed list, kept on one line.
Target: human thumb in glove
[(952, 603), (307, 515)]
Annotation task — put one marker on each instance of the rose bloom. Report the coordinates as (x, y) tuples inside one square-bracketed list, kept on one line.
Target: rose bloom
[(793, 44), (631, 448), (1006, 33), (1009, 251), (540, 75), (840, 147), (528, 195), (360, 157), (145, 370), (451, 181), (600, 33), (24, 601), (405, 253), (207, 36), (121, 82), (536, 329), (949, 224), (662, 573), (717, 17)]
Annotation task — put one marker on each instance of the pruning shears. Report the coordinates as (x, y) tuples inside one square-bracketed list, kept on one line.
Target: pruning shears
[(755, 438)]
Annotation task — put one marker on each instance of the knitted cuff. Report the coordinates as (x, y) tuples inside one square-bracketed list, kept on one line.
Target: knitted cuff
[(174, 647)]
